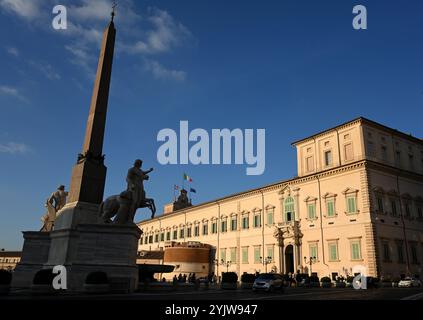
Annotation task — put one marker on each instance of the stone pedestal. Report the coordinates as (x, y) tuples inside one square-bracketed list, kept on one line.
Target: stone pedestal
[(89, 248), (83, 244), (34, 255)]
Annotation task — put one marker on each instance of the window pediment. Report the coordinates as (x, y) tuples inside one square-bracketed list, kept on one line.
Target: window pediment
[(329, 195), (349, 191), (310, 199)]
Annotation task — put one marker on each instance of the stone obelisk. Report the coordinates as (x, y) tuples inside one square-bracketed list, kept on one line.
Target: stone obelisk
[(80, 240), (89, 174)]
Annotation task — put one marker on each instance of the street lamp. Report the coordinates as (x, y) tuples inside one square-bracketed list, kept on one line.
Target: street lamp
[(310, 261), (222, 262), (266, 261)]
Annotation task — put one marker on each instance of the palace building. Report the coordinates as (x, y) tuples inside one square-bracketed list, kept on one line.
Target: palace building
[(355, 204)]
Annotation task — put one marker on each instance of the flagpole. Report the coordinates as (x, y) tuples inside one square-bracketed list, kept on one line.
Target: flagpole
[(183, 178)]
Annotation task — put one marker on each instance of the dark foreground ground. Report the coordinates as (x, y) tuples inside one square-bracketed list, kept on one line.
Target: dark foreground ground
[(247, 295)]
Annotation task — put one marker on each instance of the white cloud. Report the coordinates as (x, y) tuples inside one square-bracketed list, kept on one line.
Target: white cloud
[(13, 51), (83, 57), (46, 69), (167, 33), (14, 148), (161, 72), (11, 91), (28, 9), (100, 10)]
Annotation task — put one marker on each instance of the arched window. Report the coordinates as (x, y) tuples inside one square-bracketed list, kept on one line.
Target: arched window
[(289, 209)]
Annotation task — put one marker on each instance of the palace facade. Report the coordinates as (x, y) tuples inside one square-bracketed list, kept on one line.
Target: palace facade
[(355, 206)]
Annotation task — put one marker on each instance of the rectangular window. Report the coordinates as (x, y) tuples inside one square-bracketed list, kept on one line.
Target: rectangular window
[(233, 255), (257, 254), (400, 252), (348, 152), (355, 250), (181, 233), (223, 225), (419, 212), (175, 234), (330, 208), (223, 254), (214, 227), (333, 251), (270, 216), (189, 230), (257, 221), (162, 236), (411, 161), (394, 208), (313, 251), (205, 228), (234, 224), (270, 253), (311, 210), (370, 149), (414, 258), (197, 230), (245, 222), (309, 164), (398, 158), (150, 239), (407, 210), (380, 204), (386, 252), (384, 153), (351, 204), (156, 238), (244, 254), (168, 236), (328, 158)]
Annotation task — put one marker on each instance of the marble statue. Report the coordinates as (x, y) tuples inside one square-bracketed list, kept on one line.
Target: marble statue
[(54, 203), (124, 205), (135, 180), (119, 206)]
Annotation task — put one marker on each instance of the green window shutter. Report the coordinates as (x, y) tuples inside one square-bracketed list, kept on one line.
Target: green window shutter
[(223, 254), (270, 217), (333, 252), (233, 255), (351, 205), (313, 251), (330, 208), (270, 252), (311, 211), (244, 255), (355, 251), (257, 254)]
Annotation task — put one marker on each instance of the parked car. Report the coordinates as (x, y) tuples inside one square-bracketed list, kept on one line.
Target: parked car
[(268, 282), (409, 282)]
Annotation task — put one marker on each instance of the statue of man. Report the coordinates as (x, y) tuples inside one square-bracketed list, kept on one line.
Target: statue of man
[(135, 179), (54, 203)]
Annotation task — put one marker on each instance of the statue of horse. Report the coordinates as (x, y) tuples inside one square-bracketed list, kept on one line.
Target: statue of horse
[(121, 207)]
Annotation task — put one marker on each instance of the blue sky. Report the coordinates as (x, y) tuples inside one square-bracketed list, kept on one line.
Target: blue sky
[(291, 67)]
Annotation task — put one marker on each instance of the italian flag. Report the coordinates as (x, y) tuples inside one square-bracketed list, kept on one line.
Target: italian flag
[(188, 178)]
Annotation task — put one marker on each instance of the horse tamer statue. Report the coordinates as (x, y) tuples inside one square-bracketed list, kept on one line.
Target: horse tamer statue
[(127, 202)]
